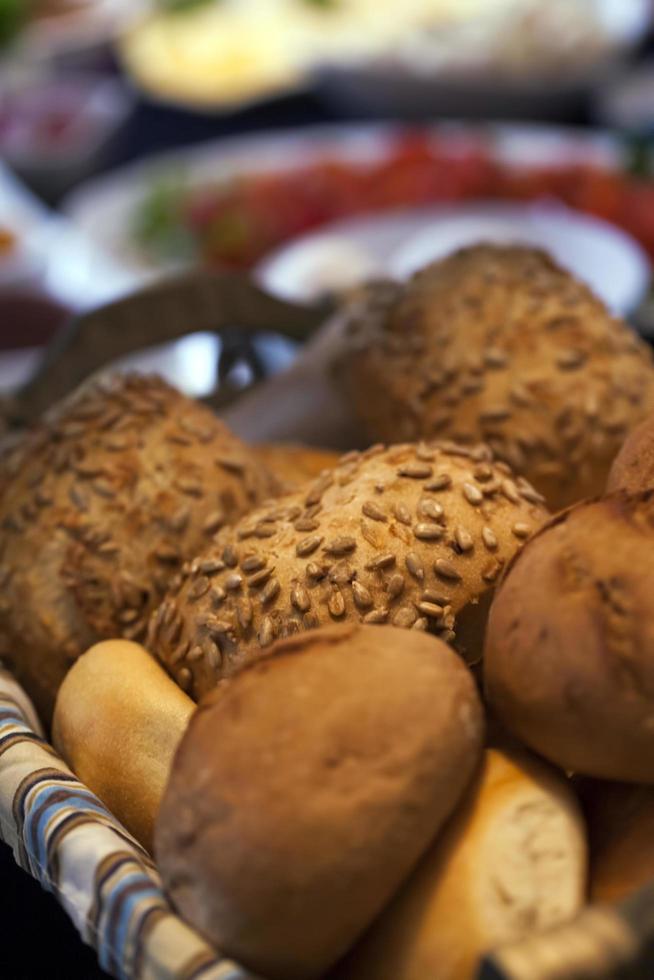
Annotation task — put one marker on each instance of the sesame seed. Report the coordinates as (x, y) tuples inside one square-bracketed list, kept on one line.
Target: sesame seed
[(445, 569), (464, 540), (300, 598), (415, 471), (341, 546), (362, 597), (430, 509), (371, 510), (405, 617), (376, 616), (259, 578), (440, 482), (489, 538), (253, 563), (270, 592), (472, 494), (402, 513), (415, 566), (307, 546), (383, 561), (428, 532), (336, 604)]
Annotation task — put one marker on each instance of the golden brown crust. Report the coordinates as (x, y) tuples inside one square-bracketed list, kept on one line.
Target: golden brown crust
[(511, 860), (99, 506), (569, 654), (410, 535), (294, 464), (307, 786), (633, 467), (497, 343)]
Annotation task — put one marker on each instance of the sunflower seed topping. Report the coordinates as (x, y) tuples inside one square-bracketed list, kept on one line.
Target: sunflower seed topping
[(446, 570)]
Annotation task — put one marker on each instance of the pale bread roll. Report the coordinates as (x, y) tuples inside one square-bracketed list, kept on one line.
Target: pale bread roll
[(511, 860), (117, 723)]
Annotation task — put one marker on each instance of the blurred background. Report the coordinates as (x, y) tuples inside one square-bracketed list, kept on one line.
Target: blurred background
[(312, 143)]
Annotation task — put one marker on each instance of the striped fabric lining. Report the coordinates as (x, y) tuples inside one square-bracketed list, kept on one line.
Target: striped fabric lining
[(66, 838)]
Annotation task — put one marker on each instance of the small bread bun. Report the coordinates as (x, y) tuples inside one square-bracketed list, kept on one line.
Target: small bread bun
[(620, 820), (414, 536), (512, 860), (497, 343), (633, 467), (117, 723), (293, 464), (99, 506), (306, 788), (569, 654)]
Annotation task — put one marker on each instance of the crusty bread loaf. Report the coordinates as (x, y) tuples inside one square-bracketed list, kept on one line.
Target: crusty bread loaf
[(293, 464), (497, 343), (569, 654), (633, 467), (415, 536), (99, 506), (118, 720), (511, 860), (620, 819), (307, 786)]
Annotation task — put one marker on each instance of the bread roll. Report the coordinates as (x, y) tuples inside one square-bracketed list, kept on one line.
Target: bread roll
[(415, 536), (117, 723), (512, 860), (99, 506), (569, 655), (293, 464), (497, 343), (307, 786), (633, 467), (620, 818)]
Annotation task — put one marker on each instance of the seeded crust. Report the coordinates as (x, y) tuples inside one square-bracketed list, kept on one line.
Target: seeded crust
[(499, 344), (633, 467), (100, 505), (569, 654), (306, 787), (293, 464), (412, 536)]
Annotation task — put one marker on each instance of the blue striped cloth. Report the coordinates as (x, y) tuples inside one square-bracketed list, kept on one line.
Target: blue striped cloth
[(66, 838)]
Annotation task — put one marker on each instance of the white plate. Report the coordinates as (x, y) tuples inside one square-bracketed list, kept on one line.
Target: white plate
[(104, 208), (603, 256)]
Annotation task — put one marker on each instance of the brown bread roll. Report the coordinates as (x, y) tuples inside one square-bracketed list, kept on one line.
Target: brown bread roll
[(307, 786), (99, 506), (414, 536), (569, 654), (511, 860), (620, 818), (497, 343), (293, 464), (633, 467), (117, 723)]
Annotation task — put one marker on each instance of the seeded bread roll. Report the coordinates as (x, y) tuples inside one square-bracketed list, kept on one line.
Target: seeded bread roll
[(99, 506), (511, 860), (293, 464), (569, 654), (306, 788), (413, 536), (497, 343), (620, 818), (633, 467)]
